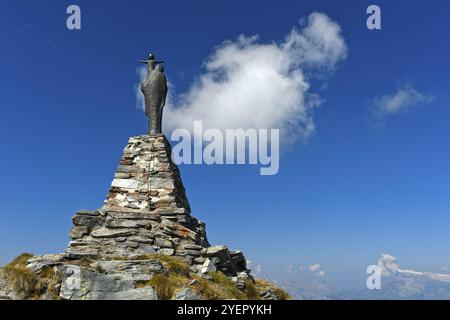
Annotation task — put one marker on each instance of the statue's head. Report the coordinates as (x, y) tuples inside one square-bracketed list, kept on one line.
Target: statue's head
[(150, 60)]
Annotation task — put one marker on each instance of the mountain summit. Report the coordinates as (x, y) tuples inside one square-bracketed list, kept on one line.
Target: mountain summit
[(142, 244)]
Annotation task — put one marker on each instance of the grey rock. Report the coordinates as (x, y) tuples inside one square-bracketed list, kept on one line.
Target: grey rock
[(200, 260), (141, 239), (88, 212), (239, 260), (132, 206), (126, 184), (132, 215), (146, 249), (164, 243), (120, 175), (170, 211), (192, 247), (87, 220), (126, 223), (79, 283), (186, 294), (81, 252), (161, 183), (132, 244), (78, 232), (147, 293), (216, 250), (228, 268), (6, 291), (184, 219), (208, 266), (71, 283), (193, 253), (166, 251), (130, 266), (240, 280), (268, 295), (111, 233), (37, 263), (129, 169)]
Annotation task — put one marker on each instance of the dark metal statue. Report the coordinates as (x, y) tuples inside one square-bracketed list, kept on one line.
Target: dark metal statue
[(154, 88)]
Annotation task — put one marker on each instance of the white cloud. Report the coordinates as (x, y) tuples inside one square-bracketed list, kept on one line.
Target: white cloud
[(321, 273), (403, 100), (258, 269), (314, 267), (249, 84)]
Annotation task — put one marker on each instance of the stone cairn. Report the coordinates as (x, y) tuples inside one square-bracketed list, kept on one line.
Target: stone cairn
[(146, 213)]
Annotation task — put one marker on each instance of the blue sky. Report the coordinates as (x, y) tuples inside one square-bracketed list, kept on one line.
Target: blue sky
[(356, 188)]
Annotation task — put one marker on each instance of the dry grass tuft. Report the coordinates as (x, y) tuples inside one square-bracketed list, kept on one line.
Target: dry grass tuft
[(175, 265), (26, 283), (263, 285), (220, 288), (163, 286), (250, 290), (166, 284)]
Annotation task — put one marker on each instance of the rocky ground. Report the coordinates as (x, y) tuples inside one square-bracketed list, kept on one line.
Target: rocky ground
[(142, 244), (53, 277)]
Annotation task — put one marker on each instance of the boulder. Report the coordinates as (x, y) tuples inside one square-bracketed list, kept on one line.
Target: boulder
[(186, 294), (79, 283), (78, 232), (87, 220), (268, 295), (208, 266), (37, 263), (166, 251)]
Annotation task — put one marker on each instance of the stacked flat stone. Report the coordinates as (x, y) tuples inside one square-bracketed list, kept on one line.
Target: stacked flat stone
[(114, 249), (146, 212)]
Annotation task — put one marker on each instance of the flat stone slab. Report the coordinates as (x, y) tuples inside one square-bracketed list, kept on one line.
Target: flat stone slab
[(126, 184), (130, 266), (186, 294), (111, 233), (88, 212), (79, 283), (37, 263), (132, 216)]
